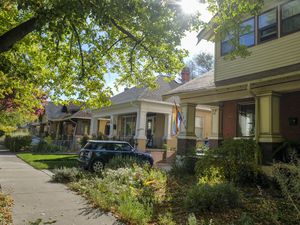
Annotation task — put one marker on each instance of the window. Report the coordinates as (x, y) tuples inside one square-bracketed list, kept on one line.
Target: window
[(247, 33), (128, 126), (290, 17), (226, 45), (246, 120), (199, 127), (267, 25)]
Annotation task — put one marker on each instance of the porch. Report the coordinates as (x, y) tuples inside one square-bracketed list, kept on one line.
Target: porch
[(144, 124)]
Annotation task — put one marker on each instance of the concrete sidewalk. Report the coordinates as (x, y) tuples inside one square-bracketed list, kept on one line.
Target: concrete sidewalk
[(36, 198)]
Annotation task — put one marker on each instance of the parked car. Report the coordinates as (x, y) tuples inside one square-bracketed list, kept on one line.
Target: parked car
[(95, 154)]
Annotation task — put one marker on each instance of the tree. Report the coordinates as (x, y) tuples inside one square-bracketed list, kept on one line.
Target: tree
[(201, 63), (65, 47)]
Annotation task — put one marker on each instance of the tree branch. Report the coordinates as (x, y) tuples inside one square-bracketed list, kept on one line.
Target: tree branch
[(80, 50), (8, 39)]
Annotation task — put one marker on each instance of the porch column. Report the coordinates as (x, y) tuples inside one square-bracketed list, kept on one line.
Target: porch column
[(187, 139), (216, 125), (111, 127), (140, 131), (167, 128), (94, 127), (268, 123)]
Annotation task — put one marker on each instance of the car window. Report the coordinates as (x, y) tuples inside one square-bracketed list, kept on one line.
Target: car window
[(108, 146), (122, 147), (90, 146)]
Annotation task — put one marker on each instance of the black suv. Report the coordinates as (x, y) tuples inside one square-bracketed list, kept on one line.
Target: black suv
[(95, 154)]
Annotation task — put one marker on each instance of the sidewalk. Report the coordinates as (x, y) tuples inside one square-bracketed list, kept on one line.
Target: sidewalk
[(36, 198)]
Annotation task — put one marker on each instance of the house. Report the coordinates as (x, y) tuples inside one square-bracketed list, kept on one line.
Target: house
[(257, 96), (140, 116), (62, 122)]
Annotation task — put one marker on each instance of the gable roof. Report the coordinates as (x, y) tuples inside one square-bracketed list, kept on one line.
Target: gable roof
[(56, 112), (145, 93), (203, 82)]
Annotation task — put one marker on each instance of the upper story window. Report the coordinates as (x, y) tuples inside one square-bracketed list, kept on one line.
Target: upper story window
[(247, 33), (267, 25), (290, 17), (226, 45)]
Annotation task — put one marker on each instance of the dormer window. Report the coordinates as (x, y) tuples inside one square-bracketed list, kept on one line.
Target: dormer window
[(290, 17), (226, 45), (267, 26), (247, 33)]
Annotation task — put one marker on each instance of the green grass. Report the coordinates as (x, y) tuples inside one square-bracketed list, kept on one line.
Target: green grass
[(49, 161)]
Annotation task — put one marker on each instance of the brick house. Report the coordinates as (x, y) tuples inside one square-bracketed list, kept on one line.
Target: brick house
[(257, 96)]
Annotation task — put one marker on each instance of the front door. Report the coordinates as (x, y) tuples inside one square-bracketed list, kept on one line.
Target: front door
[(150, 131)]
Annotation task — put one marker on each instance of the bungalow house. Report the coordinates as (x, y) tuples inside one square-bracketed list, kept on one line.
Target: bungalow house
[(62, 123), (253, 97), (140, 116)]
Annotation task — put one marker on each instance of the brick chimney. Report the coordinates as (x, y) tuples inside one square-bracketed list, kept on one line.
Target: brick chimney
[(185, 75)]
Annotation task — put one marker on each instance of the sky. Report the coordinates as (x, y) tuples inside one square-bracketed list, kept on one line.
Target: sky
[(189, 42)]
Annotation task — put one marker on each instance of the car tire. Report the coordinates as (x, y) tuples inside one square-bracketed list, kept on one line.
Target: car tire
[(97, 166)]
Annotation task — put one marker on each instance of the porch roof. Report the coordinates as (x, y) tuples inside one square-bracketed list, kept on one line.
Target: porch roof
[(203, 82)]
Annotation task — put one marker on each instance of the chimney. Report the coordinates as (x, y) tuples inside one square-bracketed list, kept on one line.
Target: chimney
[(185, 75)]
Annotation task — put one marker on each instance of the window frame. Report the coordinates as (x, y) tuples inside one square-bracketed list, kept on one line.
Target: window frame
[(223, 41), (254, 31), (281, 20), (238, 122), (258, 29)]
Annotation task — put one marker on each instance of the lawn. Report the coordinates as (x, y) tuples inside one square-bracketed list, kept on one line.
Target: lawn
[(49, 161)]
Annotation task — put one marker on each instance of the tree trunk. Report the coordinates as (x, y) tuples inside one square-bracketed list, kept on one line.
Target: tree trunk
[(8, 39)]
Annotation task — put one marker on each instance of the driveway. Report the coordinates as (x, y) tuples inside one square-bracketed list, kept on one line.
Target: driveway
[(37, 199)]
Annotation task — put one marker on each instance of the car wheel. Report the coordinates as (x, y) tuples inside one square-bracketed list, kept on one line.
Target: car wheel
[(97, 166)]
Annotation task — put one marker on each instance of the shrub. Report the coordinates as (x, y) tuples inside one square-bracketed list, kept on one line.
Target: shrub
[(134, 211), (211, 197), (123, 162), (237, 160), (45, 147), (84, 140), (131, 192), (244, 220), (66, 175), (166, 219), (192, 219), (288, 178), (184, 166), (17, 143), (6, 204)]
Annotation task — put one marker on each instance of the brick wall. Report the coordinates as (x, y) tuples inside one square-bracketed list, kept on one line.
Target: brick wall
[(290, 108)]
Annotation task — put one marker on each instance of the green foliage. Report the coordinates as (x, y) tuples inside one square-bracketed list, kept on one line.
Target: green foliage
[(192, 220), (17, 143), (45, 147), (166, 219), (288, 178), (131, 192), (70, 47), (6, 204), (244, 220), (235, 160), (211, 197), (184, 166), (134, 211), (123, 162), (66, 175), (287, 151), (84, 140)]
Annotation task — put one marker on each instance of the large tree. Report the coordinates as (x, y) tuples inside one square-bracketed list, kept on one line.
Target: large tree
[(65, 47)]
